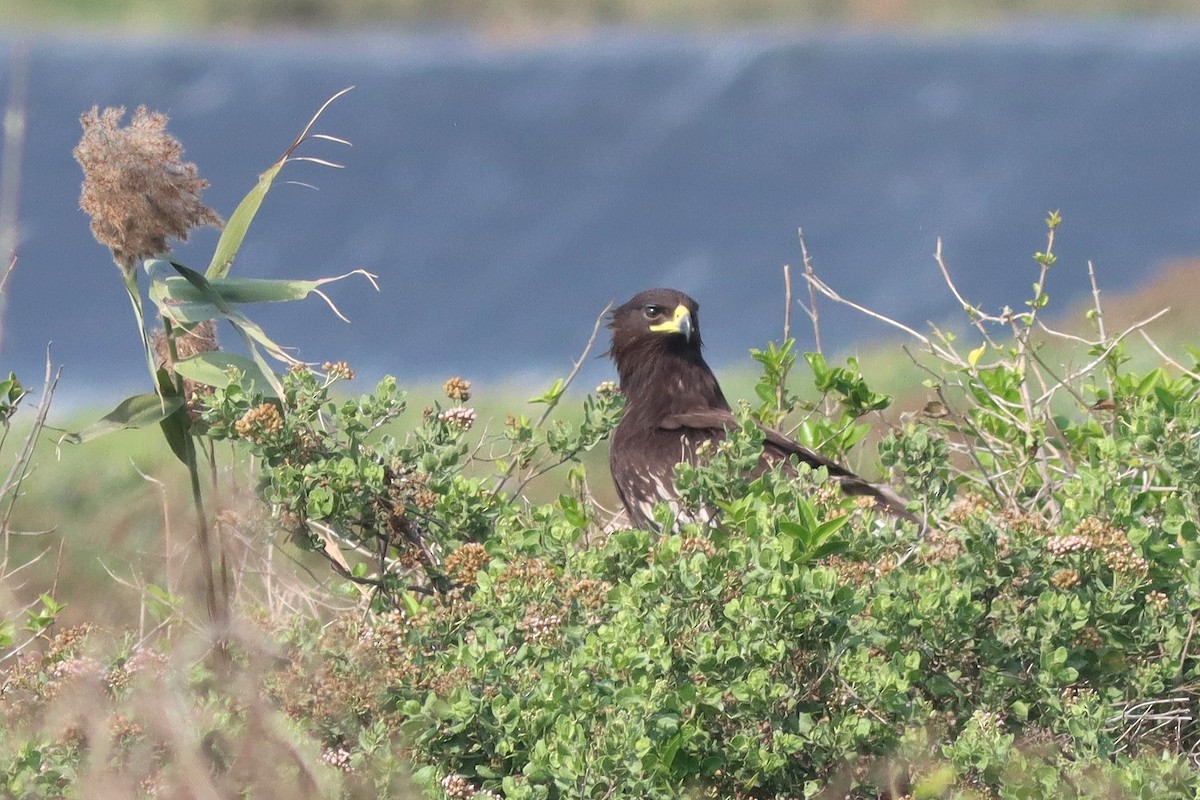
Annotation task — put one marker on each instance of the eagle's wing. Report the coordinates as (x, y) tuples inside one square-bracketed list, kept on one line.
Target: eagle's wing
[(776, 446), (779, 447)]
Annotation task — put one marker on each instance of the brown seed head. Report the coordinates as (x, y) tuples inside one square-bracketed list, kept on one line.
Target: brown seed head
[(465, 562), (1065, 578), (1157, 600), (457, 389), (259, 422), (338, 369), (136, 187), (201, 338)]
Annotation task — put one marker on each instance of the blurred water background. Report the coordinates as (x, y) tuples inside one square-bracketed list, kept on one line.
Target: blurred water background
[(506, 189)]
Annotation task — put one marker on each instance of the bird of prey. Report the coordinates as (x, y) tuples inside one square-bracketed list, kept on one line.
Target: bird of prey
[(673, 404)]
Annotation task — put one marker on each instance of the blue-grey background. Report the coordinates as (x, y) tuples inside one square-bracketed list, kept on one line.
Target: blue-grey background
[(504, 193)]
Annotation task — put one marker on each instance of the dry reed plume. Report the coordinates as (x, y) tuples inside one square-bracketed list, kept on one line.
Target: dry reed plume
[(136, 187)]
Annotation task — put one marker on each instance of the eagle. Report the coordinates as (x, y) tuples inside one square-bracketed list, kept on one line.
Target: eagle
[(674, 404)]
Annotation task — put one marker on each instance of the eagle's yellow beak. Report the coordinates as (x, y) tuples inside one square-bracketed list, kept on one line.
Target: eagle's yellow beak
[(681, 322)]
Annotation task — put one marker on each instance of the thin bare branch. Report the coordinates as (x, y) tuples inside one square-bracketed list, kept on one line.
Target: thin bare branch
[(825, 289), (1084, 370), (11, 488), (972, 311), (1154, 346), (813, 313), (591, 342)]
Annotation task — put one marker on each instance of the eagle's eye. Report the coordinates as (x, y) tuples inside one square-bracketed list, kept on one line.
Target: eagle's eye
[(653, 311)]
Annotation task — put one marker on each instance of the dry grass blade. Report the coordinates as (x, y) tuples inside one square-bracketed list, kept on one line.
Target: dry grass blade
[(304, 134), (239, 221)]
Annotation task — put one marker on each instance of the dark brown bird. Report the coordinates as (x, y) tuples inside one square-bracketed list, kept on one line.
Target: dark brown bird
[(673, 404)]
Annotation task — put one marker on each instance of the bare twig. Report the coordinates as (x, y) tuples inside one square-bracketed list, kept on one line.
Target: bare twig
[(11, 488), (781, 387), (1107, 350), (972, 311), (787, 302), (1154, 346), (813, 314), (1096, 300), (591, 342), (824, 289)]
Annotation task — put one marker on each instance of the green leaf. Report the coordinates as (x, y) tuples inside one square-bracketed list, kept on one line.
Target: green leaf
[(936, 784), (239, 222), (218, 368), (186, 299), (553, 394), (250, 332), (135, 300), (412, 605), (138, 411), (176, 426)]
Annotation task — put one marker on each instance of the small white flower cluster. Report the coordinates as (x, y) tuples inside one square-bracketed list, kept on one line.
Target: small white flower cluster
[(82, 668), (146, 661), (1061, 545), (540, 627), (338, 759), (459, 417), (459, 788)]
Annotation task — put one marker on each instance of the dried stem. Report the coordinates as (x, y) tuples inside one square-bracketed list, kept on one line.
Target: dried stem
[(813, 313), (11, 150), (11, 488), (972, 311), (781, 387), (541, 468)]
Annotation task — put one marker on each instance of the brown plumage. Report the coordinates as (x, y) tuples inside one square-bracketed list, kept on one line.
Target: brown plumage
[(673, 404)]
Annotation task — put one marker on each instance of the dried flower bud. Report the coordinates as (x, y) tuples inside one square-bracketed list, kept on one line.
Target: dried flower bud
[(259, 422), (338, 759), (607, 389), (338, 369), (465, 562), (1065, 578), (1157, 601), (457, 389), (540, 624)]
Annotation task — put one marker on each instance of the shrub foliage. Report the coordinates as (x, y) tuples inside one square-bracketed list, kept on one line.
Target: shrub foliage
[(1035, 638)]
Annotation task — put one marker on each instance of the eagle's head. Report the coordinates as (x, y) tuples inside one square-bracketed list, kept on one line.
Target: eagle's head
[(656, 325)]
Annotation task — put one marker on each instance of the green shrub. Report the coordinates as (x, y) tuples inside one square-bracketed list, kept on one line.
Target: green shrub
[(1034, 638)]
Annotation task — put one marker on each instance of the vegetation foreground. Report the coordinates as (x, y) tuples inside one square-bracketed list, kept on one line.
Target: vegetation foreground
[(1036, 638)]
